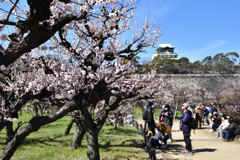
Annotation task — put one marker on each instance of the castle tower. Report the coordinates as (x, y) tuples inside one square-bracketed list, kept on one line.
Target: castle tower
[(165, 50)]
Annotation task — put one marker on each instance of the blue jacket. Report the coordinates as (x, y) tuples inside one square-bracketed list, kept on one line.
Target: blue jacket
[(186, 121), (210, 110)]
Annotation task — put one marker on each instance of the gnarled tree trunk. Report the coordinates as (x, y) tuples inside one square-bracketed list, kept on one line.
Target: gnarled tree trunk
[(33, 125), (78, 134), (10, 132), (67, 130), (93, 147)]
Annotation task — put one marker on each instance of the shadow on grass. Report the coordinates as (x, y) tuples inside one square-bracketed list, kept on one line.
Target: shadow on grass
[(46, 140), (126, 143), (121, 130)]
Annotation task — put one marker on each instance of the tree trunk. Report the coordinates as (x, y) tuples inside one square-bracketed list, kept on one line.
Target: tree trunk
[(33, 125), (3, 123), (67, 130), (93, 147), (78, 134), (92, 135), (9, 130)]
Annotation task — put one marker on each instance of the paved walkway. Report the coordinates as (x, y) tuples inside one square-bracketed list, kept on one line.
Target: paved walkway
[(205, 146)]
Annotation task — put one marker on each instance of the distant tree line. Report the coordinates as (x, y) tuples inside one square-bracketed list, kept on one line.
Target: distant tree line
[(219, 64)]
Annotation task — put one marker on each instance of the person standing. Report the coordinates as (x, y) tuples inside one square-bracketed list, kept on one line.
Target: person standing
[(198, 117), (186, 127), (214, 108), (168, 115), (149, 116), (205, 113), (160, 114)]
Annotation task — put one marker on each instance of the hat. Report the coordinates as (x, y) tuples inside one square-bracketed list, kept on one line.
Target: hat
[(214, 103), (150, 103), (167, 106), (146, 105), (198, 107), (185, 104)]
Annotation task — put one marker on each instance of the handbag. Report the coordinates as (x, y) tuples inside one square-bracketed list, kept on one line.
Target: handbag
[(161, 119)]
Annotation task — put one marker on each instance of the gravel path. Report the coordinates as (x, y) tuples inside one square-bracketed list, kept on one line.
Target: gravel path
[(205, 146)]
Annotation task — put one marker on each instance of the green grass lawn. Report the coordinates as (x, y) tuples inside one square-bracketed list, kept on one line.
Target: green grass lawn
[(50, 143)]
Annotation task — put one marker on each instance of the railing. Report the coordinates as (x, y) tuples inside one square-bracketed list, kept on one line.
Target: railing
[(148, 144)]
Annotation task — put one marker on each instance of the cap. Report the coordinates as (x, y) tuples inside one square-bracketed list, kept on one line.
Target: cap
[(185, 104), (146, 105)]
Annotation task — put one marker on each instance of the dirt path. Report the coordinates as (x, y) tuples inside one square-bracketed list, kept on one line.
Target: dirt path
[(205, 146)]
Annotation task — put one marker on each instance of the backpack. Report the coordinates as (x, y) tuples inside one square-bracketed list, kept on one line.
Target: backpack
[(193, 124), (144, 115)]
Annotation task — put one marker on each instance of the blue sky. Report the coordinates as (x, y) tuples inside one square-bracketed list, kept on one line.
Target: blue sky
[(197, 28)]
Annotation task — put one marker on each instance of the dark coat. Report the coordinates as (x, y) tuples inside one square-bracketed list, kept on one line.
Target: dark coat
[(205, 111), (217, 121), (186, 121), (232, 127), (169, 118), (214, 109), (149, 113)]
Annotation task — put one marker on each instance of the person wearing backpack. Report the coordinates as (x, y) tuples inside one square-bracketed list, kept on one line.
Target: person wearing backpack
[(186, 127), (168, 119), (148, 116)]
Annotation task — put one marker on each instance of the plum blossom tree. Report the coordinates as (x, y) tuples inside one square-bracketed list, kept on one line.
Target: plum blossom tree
[(89, 66)]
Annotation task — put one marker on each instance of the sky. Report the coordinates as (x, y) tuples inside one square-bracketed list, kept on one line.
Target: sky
[(197, 28)]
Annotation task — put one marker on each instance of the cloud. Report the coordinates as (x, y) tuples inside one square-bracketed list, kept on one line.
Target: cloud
[(211, 45)]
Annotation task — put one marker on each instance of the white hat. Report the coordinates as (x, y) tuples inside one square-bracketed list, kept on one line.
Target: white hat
[(185, 104)]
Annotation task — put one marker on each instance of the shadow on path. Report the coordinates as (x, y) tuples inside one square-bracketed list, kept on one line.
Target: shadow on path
[(204, 150)]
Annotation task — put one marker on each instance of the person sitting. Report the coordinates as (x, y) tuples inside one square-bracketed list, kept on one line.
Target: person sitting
[(156, 137), (229, 131), (225, 123), (216, 122), (165, 130)]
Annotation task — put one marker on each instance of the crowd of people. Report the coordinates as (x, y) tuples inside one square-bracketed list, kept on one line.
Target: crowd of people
[(160, 132)]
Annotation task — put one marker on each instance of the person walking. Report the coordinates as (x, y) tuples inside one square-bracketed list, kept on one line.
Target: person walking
[(186, 127), (205, 113), (168, 119)]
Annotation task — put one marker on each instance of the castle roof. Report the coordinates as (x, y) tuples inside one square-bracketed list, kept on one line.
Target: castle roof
[(165, 45)]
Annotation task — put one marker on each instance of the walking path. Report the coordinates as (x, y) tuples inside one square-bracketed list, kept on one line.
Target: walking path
[(205, 146)]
